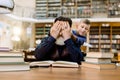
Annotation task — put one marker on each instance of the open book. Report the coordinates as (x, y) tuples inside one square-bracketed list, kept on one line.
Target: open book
[(54, 64)]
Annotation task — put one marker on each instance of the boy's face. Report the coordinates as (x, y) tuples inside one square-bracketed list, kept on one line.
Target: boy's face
[(83, 28)]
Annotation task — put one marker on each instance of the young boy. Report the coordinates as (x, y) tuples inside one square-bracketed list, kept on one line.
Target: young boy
[(79, 35)]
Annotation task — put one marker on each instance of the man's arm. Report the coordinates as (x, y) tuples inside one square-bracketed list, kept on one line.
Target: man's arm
[(75, 52), (47, 43), (43, 48)]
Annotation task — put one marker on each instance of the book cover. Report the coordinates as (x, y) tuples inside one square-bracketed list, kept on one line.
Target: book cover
[(99, 66), (11, 53), (14, 66), (97, 60), (100, 55), (11, 57), (6, 59), (53, 64)]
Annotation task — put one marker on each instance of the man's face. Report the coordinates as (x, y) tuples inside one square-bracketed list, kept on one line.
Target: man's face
[(60, 39), (83, 28)]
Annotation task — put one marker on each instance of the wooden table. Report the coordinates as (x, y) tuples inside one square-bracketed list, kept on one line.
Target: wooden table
[(62, 74)]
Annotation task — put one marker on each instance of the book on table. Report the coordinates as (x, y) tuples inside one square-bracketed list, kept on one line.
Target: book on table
[(99, 66), (13, 61), (97, 60), (11, 53), (4, 49), (18, 66), (49, 63), (11, 57), (100, 54)]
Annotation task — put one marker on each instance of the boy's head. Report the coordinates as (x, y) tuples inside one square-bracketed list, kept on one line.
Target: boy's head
[(83, 27)]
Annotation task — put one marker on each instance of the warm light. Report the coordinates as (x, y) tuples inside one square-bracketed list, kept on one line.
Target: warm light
[(16, 31), (16, 38)]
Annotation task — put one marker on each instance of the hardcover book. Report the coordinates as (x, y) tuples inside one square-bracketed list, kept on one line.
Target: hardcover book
[(97, 60), (23, 66), (99, 66), (99, 55)]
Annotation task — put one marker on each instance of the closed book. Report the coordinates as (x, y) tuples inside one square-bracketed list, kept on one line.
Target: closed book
[(7, 59), (4, 49), (54, 64), (14, 66), (97, 60), (99, 66), (11, 54), (100, 55), (11, 57)]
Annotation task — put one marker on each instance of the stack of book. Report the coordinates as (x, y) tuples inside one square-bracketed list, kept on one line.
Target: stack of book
[(12, 61), (4, 49), (99, 60)]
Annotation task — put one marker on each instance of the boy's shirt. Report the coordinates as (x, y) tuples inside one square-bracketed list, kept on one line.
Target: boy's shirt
[(79, 39)]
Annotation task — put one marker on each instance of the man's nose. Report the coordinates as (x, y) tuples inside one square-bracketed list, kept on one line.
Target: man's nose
[(60, 33)]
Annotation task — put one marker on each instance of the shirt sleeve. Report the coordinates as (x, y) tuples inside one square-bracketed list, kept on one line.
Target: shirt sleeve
[(75, 52), (43, 48)]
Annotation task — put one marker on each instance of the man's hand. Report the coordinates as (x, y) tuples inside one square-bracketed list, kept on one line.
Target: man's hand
[(55, 29), (66, 32)]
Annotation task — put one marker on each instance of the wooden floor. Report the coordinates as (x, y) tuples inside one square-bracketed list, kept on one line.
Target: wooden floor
[(62, 74)]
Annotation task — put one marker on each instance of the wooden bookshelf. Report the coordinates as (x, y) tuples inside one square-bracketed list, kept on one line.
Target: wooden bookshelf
[(84, 9), (54, 8), (41, 30), (77, 8), (41, 9), (99, 8), (114, 8), (105, 36)]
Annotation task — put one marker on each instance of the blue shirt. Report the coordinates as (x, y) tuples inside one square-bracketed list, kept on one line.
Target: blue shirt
[(48, 50), (80, 39)]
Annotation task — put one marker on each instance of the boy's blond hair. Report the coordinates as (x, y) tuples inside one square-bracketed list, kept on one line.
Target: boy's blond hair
[(86, 21)]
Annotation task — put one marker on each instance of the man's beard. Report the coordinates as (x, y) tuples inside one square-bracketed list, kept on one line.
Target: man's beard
[(60, 41)]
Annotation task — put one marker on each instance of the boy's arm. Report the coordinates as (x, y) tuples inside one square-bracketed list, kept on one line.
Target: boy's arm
[(78, 40)]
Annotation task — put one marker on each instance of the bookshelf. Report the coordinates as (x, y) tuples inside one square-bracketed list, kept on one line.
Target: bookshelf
[(41, 9), (116, 38), (114, 8), (68, 8), (41, 30), (54, 8), (94, 38), (84, 9), (77, 8), (104, 36), (99, 7)]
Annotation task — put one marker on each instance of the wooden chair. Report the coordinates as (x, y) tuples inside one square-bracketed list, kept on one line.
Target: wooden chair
[(29, 56)]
